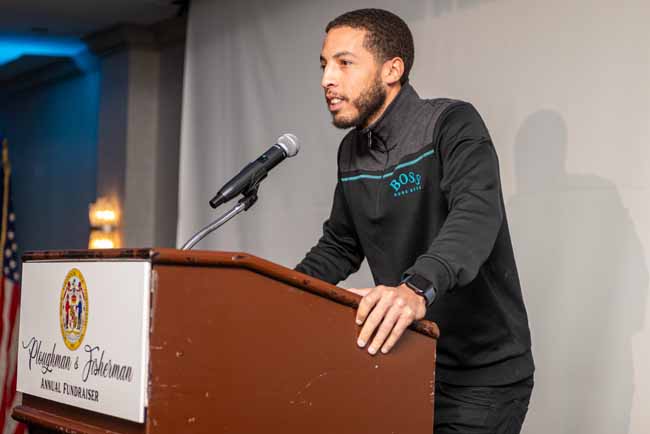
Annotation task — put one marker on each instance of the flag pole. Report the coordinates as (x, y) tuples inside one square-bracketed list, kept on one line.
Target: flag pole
[(6, 171)]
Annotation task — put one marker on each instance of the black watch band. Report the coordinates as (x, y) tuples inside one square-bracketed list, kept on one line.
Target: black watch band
[(421, 286)]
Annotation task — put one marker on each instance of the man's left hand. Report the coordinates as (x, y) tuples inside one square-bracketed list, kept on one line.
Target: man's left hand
[(389, 310)]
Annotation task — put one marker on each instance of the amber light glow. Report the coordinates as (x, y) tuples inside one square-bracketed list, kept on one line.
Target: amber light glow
[(100, 239), (104, 216), (104, 212)]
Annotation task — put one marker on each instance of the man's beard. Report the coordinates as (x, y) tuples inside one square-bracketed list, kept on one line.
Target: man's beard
[(367, 104)]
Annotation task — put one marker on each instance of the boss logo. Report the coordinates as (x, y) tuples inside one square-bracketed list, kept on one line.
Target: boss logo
[(406, 183)]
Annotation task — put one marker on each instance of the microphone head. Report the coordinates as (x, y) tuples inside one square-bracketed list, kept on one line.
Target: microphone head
[(289, 144)]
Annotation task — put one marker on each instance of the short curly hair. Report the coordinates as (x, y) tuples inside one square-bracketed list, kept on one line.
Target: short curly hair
[(388, 35)]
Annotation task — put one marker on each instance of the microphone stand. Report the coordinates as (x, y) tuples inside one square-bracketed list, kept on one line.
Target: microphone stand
[(249, 199)]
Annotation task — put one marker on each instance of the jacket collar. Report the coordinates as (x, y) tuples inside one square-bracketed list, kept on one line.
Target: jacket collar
[(385, 133)]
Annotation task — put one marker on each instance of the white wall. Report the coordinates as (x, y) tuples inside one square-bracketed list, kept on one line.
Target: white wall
[(563, 87)]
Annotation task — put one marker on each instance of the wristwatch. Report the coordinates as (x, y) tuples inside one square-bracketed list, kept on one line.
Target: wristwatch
[(421, 286)]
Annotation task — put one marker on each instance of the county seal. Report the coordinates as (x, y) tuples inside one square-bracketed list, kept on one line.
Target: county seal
[(73, 309)]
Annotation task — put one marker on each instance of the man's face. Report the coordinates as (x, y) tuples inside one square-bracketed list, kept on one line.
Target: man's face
[(354, 90)]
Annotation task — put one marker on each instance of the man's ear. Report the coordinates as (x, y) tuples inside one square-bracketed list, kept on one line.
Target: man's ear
[(392, 70)]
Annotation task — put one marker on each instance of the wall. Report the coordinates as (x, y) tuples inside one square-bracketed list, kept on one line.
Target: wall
[(139, 127), (170, 91), (52, 133)]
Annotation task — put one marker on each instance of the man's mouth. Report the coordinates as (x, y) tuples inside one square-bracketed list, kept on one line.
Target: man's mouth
[(335, 103)]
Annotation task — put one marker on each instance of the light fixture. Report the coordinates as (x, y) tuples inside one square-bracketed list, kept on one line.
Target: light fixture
[(103, 240), (104, 216), (13, 46)]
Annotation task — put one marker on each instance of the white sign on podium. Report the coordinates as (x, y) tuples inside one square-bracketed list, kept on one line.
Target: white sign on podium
[(84, 335)]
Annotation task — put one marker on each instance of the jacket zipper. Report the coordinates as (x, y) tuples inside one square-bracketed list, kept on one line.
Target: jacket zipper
[(381, 181)]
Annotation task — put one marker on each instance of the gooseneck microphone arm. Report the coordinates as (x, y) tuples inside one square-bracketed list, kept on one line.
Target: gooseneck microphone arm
[(246, 183), (243, 205)]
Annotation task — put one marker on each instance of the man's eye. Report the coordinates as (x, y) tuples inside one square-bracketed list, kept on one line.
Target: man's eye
[(346, 62)]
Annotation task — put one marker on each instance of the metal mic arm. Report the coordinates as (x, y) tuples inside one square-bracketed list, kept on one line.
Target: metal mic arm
[(249, 199)]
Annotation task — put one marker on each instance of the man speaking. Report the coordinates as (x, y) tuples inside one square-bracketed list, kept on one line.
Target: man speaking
[(419, 196)]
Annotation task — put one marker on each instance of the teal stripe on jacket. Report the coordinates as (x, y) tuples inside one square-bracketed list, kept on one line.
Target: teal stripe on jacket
[(388, 175)]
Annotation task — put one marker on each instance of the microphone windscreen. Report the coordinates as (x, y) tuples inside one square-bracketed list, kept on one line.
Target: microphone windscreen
[(289, 143)]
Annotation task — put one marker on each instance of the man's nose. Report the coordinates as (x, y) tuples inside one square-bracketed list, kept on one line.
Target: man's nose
[(329, 78)]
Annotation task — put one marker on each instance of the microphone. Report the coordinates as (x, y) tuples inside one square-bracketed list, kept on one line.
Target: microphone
[(250, 176)]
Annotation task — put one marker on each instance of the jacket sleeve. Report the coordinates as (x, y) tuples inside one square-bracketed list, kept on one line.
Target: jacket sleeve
[(338, 253), (470, 182)]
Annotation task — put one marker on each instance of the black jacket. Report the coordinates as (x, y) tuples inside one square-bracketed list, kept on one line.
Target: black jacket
[(419, 191)]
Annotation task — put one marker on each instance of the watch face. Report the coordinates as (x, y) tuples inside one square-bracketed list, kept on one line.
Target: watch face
[(418, 282), (421, 286)]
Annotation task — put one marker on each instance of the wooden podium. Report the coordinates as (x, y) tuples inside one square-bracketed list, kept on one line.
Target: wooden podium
[(240, 345)]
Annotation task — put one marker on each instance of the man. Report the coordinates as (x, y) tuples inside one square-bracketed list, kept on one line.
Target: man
[(419, 196)]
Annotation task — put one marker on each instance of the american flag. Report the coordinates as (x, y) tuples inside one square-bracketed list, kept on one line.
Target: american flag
[(9, 302)]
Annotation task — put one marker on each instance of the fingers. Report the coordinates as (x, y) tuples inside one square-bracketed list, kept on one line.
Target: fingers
[(379, 300), (388, 311), (368, 302), (394, 313), (405, 319)]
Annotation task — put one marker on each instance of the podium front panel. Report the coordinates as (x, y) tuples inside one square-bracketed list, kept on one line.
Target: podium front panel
[(234, 351), (83, 337)]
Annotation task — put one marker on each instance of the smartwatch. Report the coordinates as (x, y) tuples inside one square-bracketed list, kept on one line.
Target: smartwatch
[(421, 286)]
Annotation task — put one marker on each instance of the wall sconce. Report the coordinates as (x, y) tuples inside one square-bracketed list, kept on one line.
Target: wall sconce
[(104, 216)]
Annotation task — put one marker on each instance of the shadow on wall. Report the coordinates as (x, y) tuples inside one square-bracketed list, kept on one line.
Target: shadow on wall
[(585, 282)]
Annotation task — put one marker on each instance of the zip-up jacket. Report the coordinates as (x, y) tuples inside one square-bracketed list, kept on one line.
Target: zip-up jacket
[(419, 192)]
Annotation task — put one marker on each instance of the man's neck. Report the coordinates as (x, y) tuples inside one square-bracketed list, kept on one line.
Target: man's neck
[(391, 94)]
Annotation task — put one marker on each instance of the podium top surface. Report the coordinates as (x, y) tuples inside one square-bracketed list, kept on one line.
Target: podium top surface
[(169, 256)]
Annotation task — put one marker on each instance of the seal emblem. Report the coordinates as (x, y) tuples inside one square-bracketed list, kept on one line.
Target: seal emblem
[(73, 309)]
